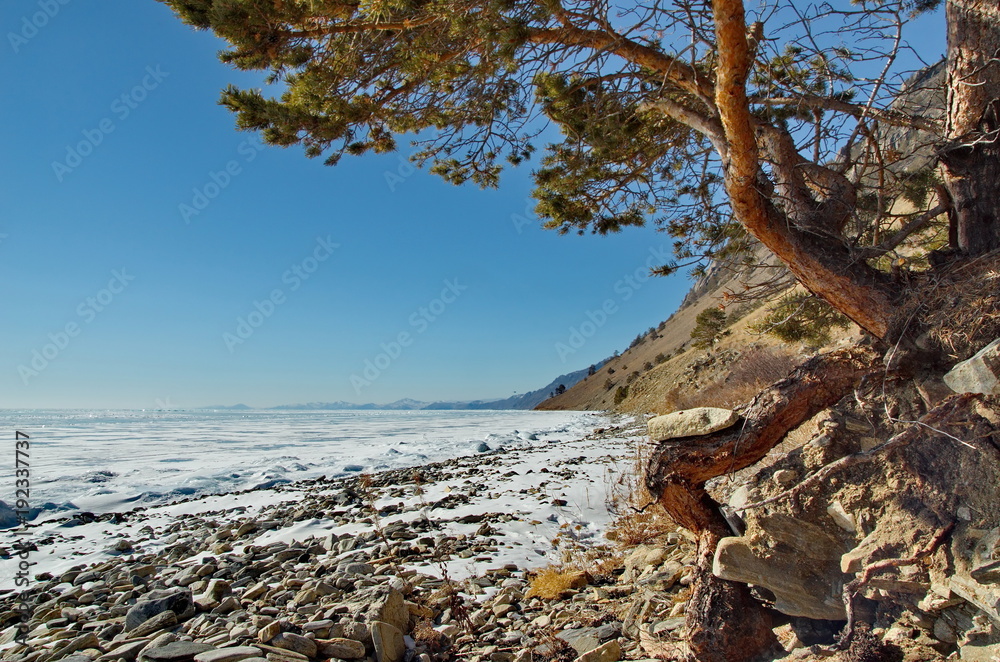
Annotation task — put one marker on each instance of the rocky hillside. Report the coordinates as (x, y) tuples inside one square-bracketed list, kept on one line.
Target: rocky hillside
[(650, 375)]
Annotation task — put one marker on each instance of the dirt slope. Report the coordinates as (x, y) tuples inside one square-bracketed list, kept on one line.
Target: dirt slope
[(661, 386)]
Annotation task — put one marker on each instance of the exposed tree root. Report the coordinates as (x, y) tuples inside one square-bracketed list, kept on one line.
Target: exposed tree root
[(944, 412), (724, 621)]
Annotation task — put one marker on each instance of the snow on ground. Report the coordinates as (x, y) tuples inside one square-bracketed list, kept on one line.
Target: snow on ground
[(529, 495)]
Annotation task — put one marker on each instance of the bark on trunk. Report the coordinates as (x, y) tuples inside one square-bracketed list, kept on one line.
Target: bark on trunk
[(972, 158), (822, 264), (724, 621)]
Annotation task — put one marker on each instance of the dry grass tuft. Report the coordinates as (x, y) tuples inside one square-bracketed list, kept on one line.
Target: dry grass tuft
[(552, 583), (960, 305), (425, 635), (754, 370), (638, 518)]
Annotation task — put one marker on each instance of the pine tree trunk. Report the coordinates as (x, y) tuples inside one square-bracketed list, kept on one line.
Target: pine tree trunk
[(822, 265), (972, 158)]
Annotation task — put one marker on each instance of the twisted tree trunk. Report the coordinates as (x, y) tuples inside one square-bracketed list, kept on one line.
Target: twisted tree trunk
[(724, 622), (820, 261)]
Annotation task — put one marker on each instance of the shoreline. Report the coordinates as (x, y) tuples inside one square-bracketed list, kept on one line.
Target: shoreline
[(454, 520)]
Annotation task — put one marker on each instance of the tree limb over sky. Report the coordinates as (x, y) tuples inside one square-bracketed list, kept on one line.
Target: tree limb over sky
[(721, 128)]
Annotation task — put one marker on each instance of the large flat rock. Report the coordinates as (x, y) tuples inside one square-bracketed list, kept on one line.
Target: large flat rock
[(801, 585), (691, 423)]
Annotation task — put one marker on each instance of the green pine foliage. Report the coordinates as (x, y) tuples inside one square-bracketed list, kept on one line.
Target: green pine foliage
[(620, 394), (709, 325), (802, 317), (474, 84)]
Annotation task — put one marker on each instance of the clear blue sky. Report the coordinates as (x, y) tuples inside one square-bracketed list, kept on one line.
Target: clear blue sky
[(116, 296)]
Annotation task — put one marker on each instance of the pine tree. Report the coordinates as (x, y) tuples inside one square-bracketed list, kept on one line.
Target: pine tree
[(660, 110)]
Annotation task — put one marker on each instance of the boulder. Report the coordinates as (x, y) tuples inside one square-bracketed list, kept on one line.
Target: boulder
[(691, 423), (179, 601), (802, 586), (388, 641), (980, 374)]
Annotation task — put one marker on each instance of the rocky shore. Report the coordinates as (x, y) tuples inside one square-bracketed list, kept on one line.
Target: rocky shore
[(431, 563)]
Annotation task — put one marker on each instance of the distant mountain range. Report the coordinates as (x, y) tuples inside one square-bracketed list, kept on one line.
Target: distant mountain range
[(528, 400)]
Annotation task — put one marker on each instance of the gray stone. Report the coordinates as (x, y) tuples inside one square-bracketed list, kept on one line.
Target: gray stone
[(844, 519), (643, 557), (269, 631), (987, 653), (282, 653), (943, 631), (609, 652), (228, 604), (358, 632), (232, 654), (216, 591), (802, 586), (80, 643), (980, 374), (691, 423), (161, 621), (359, 569), (669, 625), (178, 651), (295, 642), (583, 640), (388, 642), (178, 601), (988, 573), (785, 477), (127, 651), (344, 649), (387, 605)]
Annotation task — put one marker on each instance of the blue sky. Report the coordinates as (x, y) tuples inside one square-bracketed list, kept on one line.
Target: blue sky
[(152, 255)]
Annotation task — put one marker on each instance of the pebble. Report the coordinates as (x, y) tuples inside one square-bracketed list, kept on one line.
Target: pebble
[(233, 654), (336, 597)]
